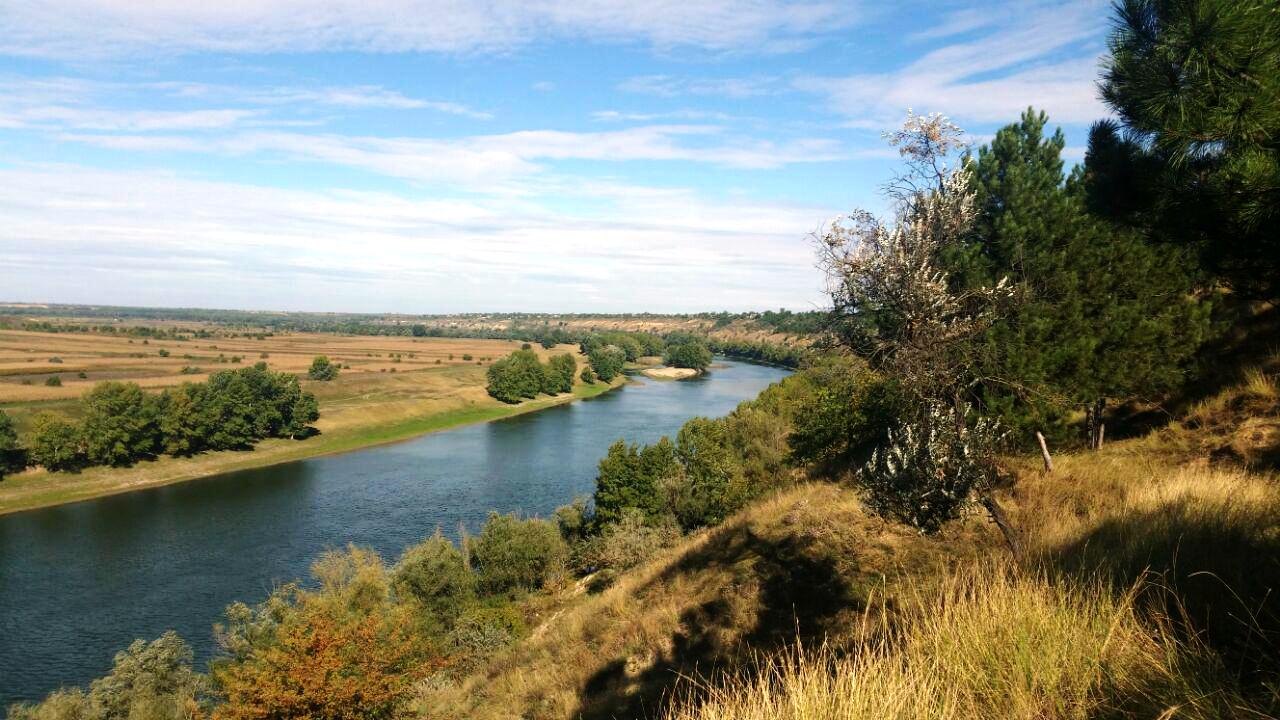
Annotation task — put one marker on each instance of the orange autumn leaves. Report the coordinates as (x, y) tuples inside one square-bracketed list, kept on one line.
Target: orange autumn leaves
[(346, 650)]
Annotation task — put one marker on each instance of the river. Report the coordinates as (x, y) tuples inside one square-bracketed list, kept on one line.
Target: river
[(79, 582)]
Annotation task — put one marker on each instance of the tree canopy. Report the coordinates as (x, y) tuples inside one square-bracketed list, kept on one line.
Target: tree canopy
[(1194, 157)]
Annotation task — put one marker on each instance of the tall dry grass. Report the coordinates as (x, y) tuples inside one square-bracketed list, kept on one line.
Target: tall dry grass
[(996, 643)]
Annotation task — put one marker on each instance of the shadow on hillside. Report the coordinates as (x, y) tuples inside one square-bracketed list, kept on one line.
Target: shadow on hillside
[(1251, 341), (1217, 577), (797, 589)]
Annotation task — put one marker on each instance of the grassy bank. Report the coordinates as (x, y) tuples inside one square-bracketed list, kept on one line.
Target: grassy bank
[(357, 414)]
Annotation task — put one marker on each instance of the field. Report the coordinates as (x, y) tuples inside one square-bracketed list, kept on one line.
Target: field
[(395, 387)]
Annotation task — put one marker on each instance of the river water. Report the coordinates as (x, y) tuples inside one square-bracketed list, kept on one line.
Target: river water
[(80, 582)]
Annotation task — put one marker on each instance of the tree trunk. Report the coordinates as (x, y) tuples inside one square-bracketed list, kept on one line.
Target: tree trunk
[(1044, 452), (1002, 521), (1095, 428)]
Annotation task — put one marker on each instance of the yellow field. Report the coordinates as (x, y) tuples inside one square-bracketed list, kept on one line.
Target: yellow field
[(379, 399), (27, 359)]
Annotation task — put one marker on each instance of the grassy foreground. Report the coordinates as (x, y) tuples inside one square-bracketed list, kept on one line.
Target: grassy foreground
[(357, 413)]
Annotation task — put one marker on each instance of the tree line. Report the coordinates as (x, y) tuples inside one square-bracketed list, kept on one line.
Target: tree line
[(120, 423)]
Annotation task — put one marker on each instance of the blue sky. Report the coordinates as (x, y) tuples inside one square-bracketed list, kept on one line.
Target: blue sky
[(447, 156)]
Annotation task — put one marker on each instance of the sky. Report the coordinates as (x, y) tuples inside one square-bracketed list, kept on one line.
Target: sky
[(440, 156)]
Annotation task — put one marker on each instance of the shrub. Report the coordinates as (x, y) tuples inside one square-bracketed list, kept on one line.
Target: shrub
[(55, 360), (163, 353), (482, 631), (623, 544), (514, 554), (148, 680), (434, 575), (929, 470), (56, 443), (607, 361), (587, 376), (322, 369), (629, 478), (53, 381), (573, 520), (846, 415), (690, 354), (12, 456)]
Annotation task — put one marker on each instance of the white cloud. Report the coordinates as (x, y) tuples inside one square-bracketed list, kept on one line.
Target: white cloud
[(958, 22), (668, 86), (122, 120), (78, 234), (1045, 56), (619, 116), (483, 161), (91, 28)]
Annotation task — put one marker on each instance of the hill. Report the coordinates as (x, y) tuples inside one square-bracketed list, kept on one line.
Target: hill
[(1147, 590)]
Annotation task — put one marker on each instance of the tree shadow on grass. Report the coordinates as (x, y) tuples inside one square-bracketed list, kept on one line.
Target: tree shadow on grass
[(789, 589), (1216, 577)]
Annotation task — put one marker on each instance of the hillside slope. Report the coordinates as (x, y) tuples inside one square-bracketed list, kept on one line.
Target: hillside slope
[(1149, 586)]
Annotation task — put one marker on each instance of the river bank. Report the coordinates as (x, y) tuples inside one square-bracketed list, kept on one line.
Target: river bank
[(39, 488)]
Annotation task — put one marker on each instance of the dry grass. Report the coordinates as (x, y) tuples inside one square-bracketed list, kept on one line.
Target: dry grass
[(24, 356), (994, 643), (808, 562)]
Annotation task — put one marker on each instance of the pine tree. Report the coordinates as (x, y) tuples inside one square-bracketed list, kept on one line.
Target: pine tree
[(1103, 312), (1196, 157)]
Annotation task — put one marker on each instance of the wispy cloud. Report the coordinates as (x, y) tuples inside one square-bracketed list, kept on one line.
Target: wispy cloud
[(182, 241), (668, 86), (80, 28), (485, 160), (1045, 56), (619, 116)]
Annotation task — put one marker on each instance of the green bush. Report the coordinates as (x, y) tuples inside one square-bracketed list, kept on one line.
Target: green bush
[(623, 544), (846, 415), (322, 369), (607, 361), (148, 681), (690, 354), (629, 478), (482, 631), (516, 377), (514, 554), (434, 575), (587, 376), (12, 457), (53, 381), (56, 443)]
